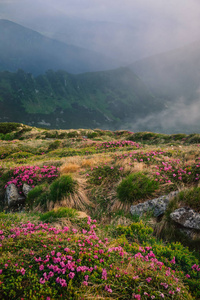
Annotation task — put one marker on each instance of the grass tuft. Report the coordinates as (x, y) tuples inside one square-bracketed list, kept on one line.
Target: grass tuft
[(135, 187)]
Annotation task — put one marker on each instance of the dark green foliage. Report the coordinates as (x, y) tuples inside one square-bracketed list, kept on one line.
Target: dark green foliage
[(91, 135), (54, 145), (105, 174), (8, 127), (150, 137), (184, 258), (136, 186), (72, 134), (8, 136), (193, 138), (43, 194), (38, 195), (21, 154), (5, 176), (62, 135), (55, 94), (178, 136), (5, 152), (51, 134), (136, 232), (62, 186), (62, 212), (190, 198)]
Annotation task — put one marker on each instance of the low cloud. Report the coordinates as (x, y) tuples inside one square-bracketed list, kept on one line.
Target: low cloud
[(179, 117)]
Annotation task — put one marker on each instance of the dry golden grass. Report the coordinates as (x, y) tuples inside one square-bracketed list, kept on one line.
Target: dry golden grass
[(118, 205), (78, 200), (69, 168), (139, 167), (76, 163), (81, 215)]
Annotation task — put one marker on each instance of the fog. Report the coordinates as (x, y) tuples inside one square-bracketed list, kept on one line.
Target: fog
[(128, 31), (122, 29), (179, 117)]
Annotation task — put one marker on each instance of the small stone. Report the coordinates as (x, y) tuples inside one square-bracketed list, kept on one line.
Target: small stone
[(186, 217), (12, 196), (26, 189), (158, 205)]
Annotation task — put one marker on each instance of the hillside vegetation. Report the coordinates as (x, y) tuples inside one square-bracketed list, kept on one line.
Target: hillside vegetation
[(62, 100), (74, 236)]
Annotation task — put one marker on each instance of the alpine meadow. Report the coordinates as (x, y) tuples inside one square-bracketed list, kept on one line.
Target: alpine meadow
[(99, 150)]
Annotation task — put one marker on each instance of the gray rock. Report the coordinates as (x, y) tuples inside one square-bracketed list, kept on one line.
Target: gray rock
[(158, 205), (12, 197), (26, 189), (186, 217)]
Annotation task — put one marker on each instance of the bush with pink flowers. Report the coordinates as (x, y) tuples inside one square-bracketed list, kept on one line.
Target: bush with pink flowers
[(40, 261), (31, 175)]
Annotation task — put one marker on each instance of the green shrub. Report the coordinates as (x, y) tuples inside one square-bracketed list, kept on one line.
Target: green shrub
[(72, 134), (184, 260), (62, 135), (190, 197), (5, 152), (178, 136), (193, 138), (111, 174), (62, 212), (8, 127), (91, 135), (54, 145), (21, 154), (37, 195), (2, 136), (136, 186), (9, 136), (62, 186), (149, 136), (42, 194), (136, 232)]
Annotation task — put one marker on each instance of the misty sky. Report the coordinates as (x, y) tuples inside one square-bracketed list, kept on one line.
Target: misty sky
[(126, 30), (162, 25)]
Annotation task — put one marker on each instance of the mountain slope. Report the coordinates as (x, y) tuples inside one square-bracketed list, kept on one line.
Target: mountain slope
[(62, 100), (24, 48), (173, 75)]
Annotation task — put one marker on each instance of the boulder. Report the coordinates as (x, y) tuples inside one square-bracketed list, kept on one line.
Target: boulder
[(26, 189), (186, 217), (12, 196), (158, 205)]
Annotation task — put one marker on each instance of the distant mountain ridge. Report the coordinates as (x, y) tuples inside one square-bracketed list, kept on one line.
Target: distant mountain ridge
[(62, 100), (23, 48)]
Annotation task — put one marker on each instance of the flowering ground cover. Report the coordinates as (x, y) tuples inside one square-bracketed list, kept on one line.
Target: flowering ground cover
[(101, 173), (40, 261), (32, 175)]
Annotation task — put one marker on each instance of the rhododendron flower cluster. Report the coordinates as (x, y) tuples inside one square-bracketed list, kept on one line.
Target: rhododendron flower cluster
[(80, 258), (32, 175), (117, 144)]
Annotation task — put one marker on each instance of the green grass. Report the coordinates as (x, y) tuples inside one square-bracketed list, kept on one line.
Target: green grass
[(43, 194), (100, 184), (135, 187), (62, 186), (61, 212), (190, 198)]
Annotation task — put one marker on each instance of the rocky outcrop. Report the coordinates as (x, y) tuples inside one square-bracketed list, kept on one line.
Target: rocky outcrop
[(186, 217), (26, 189), (158, 205), (12, 196)]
